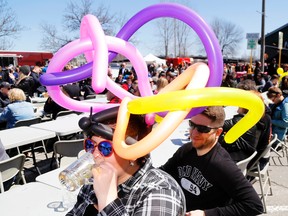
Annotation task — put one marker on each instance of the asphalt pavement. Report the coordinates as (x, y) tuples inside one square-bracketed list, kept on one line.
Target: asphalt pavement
[(277, 203)]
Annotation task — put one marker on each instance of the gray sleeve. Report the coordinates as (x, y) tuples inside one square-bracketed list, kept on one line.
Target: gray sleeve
[(3, 154)]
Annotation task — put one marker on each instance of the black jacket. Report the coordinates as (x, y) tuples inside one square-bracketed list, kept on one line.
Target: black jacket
[(27, 85), (51, 107), (245, 145), (4, 100)]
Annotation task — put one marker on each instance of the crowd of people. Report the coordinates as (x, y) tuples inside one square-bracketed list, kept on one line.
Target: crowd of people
[(200, 179), (272, 85), (26, 79)]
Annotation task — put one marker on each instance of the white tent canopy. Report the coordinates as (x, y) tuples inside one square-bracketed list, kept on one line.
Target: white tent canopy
[(150, 58)]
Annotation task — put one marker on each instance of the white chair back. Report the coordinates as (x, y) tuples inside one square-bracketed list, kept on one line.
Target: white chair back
[(67, 148), (10, 168), (243, 164)]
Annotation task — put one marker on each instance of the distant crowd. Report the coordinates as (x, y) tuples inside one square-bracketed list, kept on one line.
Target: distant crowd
[(234, 73), (27, 78)]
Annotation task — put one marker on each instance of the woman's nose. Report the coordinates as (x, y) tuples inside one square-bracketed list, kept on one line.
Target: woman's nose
[(98, 158), (96, 153)]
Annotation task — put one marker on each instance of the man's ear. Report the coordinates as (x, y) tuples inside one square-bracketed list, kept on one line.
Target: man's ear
[(219, 132)]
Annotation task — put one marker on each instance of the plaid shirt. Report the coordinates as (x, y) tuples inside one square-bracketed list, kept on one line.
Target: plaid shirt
[(148, 192)]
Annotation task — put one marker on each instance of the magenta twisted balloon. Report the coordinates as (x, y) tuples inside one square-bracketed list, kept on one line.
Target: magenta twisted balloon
[(94, 44)]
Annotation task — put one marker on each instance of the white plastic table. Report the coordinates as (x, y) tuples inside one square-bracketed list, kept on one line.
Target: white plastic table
[(38, 99), (165, 150), (98, 99), (19, 136), (51, 178), (33, 199), (63, 126)]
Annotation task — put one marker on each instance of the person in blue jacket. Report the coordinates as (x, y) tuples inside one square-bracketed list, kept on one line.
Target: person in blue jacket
[(18, 109), (279, 112)]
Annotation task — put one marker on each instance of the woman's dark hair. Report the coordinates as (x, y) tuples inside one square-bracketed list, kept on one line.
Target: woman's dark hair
[(100, 124)]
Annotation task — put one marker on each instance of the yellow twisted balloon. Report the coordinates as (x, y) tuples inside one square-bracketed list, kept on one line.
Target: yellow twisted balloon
[(281, 73), (213, 96)]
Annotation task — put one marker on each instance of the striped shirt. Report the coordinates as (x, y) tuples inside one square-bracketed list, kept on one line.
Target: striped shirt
[(148, 192)]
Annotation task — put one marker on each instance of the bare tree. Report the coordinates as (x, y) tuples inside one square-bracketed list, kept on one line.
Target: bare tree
[(165, 33), (174, 35), (51, 39), (75, 12), (72, 17), (229, 36), (183, 33), (9, 27)]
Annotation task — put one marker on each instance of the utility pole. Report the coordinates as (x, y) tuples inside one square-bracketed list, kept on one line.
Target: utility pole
[(175, 54), (262, 36)]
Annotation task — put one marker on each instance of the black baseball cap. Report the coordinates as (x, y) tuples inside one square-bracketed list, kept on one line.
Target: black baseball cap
[(5, 85)]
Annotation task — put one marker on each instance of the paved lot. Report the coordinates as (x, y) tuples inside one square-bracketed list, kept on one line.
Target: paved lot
[(278, 202)]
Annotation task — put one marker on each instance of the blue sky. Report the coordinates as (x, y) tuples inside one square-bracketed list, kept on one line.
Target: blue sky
[(244, 13)]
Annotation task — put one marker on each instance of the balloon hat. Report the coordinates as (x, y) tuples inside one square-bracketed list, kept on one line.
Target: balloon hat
[(182, 98), (94, 44)]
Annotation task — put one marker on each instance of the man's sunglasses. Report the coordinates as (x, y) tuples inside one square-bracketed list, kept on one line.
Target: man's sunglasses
[(200, 128), (104, 147)]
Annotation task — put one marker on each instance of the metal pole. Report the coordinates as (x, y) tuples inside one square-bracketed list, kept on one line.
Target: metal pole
[(279, 65), (250, 65), (262, 36), (175, 55), (280, 46)]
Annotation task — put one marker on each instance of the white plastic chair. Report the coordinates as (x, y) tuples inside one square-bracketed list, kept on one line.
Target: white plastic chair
[(10, 168), (28, 122), (262, 175), (279, 151), (65, 149), (243, 164)]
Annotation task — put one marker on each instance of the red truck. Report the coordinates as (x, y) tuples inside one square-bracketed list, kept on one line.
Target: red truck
[(178, 61), (32, 58)]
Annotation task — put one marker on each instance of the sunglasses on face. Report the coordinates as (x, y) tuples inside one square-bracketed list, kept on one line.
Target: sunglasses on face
[(104, 147), (200, 128)]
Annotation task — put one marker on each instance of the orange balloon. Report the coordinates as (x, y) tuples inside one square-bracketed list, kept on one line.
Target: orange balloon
[(195, 76)]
